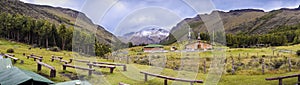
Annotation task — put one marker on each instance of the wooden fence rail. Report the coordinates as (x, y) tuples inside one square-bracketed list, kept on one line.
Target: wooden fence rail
[(11, 57), (284, 77), (166, 78), (106, 63), (83, 61), (102, 66), (52, 69), (35, 57), (77, 67)]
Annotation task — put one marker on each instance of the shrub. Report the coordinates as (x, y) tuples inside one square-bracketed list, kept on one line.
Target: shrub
[(55, 49), (298, 52), (10, 50)]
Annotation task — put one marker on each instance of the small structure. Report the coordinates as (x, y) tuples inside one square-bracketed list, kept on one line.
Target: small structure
[(10, 75), (154, 48), (198, 46)]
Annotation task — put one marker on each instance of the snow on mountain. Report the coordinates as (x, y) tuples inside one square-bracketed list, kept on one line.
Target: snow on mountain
[(148, 35)]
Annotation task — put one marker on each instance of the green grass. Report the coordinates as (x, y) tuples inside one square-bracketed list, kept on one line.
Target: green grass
[(133, 77)]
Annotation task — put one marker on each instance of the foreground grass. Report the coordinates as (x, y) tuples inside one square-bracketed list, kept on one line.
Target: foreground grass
[(132, 76)]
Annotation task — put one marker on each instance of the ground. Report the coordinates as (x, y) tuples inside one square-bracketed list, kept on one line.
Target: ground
[(120, 76)]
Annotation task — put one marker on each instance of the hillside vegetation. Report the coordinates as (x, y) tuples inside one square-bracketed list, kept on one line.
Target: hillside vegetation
[(251, 77), (57, 16), (246, 27)]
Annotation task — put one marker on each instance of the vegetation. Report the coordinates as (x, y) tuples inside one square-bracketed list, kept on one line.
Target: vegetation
[(10, 50), (241, 76), (42, 33)]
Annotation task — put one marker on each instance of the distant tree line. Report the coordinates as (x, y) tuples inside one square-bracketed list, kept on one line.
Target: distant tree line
[(42, 33), (283, 35)]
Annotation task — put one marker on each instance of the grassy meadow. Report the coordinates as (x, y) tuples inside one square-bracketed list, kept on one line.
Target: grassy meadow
[(133, 77)]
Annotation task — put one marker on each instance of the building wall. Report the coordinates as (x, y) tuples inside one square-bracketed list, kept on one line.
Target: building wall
[(153, 49)]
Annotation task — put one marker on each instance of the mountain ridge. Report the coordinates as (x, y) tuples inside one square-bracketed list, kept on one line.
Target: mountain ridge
[(240, 21), (58, 15)]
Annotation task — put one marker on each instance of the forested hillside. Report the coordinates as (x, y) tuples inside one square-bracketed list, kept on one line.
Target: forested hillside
[(247, 27)]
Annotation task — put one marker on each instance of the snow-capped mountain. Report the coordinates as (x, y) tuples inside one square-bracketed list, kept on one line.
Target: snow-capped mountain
[(149, 35)]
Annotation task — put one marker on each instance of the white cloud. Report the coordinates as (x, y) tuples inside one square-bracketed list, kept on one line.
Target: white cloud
[(76, 5), (150, 16), (52, 2)]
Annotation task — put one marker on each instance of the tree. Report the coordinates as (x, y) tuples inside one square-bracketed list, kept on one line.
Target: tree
[(101, 49), (45, 32), (62, 30), (130, 44), (53, 34)]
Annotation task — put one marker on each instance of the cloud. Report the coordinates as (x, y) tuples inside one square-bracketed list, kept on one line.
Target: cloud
[(74, 4), (266, 5), (150, 16), (110, 13), (124, 8)]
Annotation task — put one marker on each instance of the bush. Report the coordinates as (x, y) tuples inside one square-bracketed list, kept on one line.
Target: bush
[(10, 50), (298, 52), (55, 49)]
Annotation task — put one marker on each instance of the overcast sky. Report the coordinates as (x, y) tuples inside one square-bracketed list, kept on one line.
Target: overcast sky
[(125, 16)]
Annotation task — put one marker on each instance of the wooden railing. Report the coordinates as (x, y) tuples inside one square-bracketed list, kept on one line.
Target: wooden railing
[(11, 57), (35, 57), (83, 61), (166, 78), (107, 63), (59, 58), (284, 77), (102, 66), (52, 69), (77, 67)]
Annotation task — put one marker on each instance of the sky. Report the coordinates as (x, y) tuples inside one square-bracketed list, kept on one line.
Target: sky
[(124, 16)]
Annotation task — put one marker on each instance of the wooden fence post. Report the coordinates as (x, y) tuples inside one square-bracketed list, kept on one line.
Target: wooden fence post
[(263, 66), (52, 73), (204, 66), (124, 68), (298, 79), (239, 58), (64, 67), (290, 64), (165, 82), (39, 67), (280, 81), (127, 60), (146, 77), (52, 59), (232, 64)]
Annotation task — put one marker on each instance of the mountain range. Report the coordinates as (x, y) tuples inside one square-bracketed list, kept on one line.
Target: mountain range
[(148, 35), (241, 21)]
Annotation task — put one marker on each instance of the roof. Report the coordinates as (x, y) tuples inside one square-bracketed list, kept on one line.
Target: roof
[(10, 75), (13, 76), (153, 45), (5, 64)]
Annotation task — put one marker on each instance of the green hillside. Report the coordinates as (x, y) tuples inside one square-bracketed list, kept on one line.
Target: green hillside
[(250, 77)]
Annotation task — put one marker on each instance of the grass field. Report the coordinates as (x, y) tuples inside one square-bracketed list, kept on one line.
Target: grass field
[(132, 76)]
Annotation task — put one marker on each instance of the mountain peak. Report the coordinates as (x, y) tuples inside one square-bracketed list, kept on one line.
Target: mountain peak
[(148, 35)]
